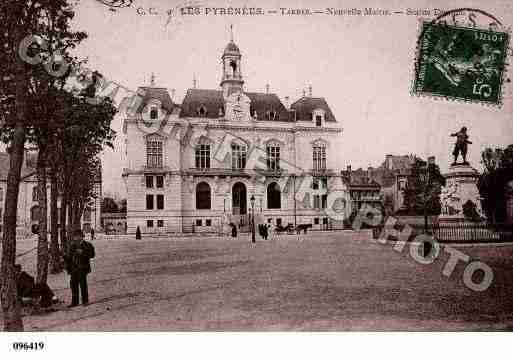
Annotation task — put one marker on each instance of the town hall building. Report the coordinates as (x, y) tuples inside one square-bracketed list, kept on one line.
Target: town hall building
[(224, 154)]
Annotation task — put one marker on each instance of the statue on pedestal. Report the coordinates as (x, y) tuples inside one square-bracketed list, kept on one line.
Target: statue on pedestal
[(461, 145)]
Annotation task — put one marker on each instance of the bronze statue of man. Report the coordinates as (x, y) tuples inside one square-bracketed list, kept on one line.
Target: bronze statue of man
[(461, 145)]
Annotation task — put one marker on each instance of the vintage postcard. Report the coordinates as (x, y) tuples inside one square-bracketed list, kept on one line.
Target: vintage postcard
[(272, 166)]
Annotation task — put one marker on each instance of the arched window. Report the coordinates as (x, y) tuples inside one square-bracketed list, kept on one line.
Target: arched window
[(34, 214), (233, 65), (202, 111), (273, 196), (35, 194), (203, 200)]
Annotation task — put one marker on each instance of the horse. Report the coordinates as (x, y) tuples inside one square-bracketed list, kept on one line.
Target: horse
[(303, 227), (280, 229)]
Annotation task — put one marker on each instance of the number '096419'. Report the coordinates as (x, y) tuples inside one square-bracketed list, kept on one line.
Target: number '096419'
[(25, 346)]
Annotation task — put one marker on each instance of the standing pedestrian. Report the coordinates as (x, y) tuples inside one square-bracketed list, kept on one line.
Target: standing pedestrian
[(138, 233), (234, 230), (265, 231), (92, 233), (78, 266)]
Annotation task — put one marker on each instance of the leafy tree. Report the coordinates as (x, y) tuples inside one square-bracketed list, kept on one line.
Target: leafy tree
[(21, 92), (492, 184), (423, 188)]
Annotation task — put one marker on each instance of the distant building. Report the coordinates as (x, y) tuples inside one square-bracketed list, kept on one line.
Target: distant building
[(363, 190), (392, 176), (28, 205)]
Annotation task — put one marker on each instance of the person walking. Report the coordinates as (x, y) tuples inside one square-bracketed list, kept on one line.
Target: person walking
[(78, 266), (265, 231)]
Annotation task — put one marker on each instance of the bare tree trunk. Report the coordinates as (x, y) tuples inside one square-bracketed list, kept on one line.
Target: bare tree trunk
[(64, 235), (42, 243), (10, 303), (55, 253)]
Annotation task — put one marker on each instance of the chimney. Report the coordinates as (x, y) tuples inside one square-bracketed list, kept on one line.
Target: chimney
[(310, 91), (173, 91), (267, 88), (304, 93), (349, 168)]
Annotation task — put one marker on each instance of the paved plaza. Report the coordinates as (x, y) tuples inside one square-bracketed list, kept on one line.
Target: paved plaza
[(324, 281)]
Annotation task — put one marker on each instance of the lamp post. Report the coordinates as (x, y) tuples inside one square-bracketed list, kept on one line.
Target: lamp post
[(252, 200)]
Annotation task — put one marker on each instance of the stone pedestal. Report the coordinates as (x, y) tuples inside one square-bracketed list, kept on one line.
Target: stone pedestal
[(461, 186)]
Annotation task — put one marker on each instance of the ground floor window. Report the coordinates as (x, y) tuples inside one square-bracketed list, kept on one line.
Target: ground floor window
[(316, 220), (278, 222), (160, 223), (149, 223), (208, 222), (198, 223), (325, 220)]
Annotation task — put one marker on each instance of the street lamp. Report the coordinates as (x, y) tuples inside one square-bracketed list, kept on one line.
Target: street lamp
[(252, 200)]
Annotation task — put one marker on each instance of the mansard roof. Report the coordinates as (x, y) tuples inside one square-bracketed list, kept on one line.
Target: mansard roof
[(158, 93), (212, 101), (305, 105)]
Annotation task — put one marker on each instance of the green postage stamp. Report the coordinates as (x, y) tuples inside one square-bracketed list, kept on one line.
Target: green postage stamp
[(460, 63)]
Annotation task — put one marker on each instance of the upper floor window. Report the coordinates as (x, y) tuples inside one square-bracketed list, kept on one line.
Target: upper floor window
[(160, 201), (154, 112), (149, 181), (154, 156), (319, 158), (203, 156), (273, 158), (160, 181), (239, 153)]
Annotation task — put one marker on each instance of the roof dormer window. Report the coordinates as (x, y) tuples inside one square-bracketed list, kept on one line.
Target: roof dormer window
[(154, 112), (202, 111)]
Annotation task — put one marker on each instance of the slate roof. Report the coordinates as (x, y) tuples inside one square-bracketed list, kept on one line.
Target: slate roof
[(159, 93), (360, 178), (213, 100), (305, 105)]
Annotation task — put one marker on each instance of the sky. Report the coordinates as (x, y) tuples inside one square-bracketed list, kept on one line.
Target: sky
[(362, 65)]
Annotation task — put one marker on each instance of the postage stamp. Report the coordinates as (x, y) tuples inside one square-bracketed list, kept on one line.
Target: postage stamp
[(461, 63)]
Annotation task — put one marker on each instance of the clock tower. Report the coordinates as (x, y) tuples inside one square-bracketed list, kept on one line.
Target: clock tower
[(231, 81)]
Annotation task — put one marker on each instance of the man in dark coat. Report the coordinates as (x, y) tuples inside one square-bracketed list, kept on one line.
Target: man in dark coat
[(78, 266)]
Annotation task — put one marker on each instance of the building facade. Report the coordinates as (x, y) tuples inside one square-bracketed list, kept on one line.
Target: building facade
[(223, 154), (28, 201)]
